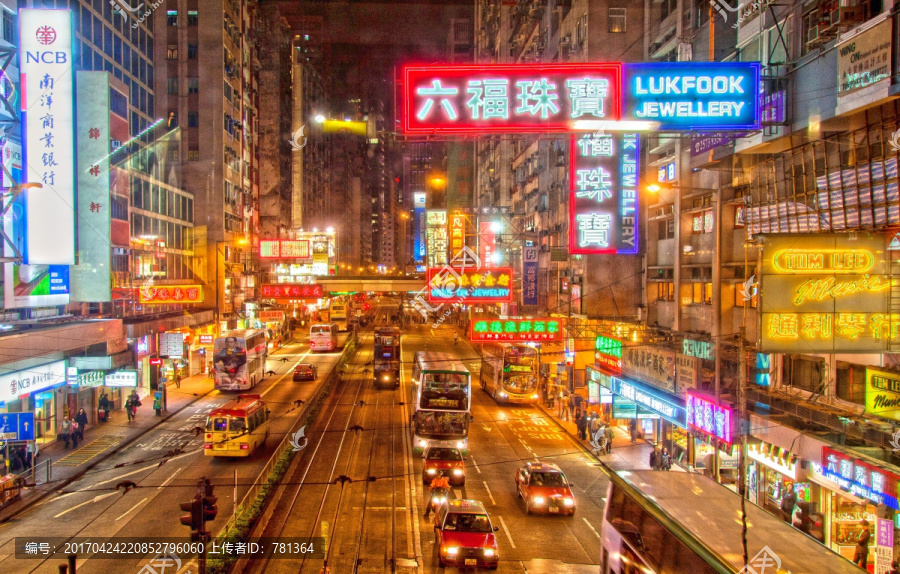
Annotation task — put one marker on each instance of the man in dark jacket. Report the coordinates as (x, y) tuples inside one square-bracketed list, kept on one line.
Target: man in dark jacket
[(861, 555), (581, 425), (788, 501)]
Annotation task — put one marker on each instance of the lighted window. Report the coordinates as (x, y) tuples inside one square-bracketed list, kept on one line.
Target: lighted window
[(172, 18), (615, 22), (739, 217), (740, 296), (193, 154), (701, 293), (665, 291), (193, 18), (172, 52)]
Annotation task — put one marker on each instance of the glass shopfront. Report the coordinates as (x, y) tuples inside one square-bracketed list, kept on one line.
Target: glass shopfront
[(40, 389)]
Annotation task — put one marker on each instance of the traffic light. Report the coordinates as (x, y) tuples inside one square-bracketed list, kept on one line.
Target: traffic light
[(195, 519), (210, 510)]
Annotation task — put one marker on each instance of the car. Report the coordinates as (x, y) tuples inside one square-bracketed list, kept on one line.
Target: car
[(464, 535), (305, 371), (544, 488), (446, 460)]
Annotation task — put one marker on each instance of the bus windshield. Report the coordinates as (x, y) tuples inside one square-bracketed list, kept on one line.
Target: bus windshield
[(445, 391), (519, 370), (222, 424), (430, 424), (320, 329)]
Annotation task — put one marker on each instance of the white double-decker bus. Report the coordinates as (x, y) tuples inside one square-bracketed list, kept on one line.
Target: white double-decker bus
[(239, 360), (443, 394)]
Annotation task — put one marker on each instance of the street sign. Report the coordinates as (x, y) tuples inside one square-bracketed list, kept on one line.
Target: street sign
[(17, 426)]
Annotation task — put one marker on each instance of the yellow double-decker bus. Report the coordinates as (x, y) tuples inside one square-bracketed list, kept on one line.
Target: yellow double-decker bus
[(237, 428)]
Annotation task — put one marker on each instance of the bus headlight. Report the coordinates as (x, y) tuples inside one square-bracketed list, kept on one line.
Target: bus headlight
[(569, 501), (488, 552), (457, 472), (503, 395), (451, 551), (534, 396), (460, 444), (430, 471), (538, 500), (423, 443)]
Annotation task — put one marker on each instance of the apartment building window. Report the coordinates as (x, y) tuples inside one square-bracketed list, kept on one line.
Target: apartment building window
[(851, 382), (192, 51), (701, 293), (666, 229), (193, 85), (193, 119), (194, 153), (9, 27), (172, 18), (193, 18), (172, 52), (666, 8), (615, 20), (740, 295), (665, 291), (172, 86), (702, 222)]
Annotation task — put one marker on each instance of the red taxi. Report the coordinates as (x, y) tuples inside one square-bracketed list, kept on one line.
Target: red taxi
[(444, 460), (464, 535), (544, 488)]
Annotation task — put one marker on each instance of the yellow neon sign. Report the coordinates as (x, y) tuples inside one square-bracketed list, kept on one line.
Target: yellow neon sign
[(821, 289), (823, 260)]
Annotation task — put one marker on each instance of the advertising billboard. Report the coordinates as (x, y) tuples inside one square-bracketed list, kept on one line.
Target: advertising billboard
[(487, 243), (18, 383), (91, 277), (604, 194), (45, 56), (160, 294), (289, 291), (515, 330), (883, 393), (495, 98), (694, 95), (419, 227), (436, 237), (704, 415), (825, 293), (457, 234), (449, 285), (283, 249), (530, 275)]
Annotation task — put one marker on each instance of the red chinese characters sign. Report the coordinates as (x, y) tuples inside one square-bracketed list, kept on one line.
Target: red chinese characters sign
[(289, 291), (284, 249), (457, 234), (464, 286), (160, 294), (516, 330), (478, 99)]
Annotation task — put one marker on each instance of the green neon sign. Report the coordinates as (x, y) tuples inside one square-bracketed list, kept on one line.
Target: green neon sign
[(608, 346)]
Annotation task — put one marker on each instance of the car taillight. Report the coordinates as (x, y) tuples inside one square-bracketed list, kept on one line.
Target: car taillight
[(245, 446)]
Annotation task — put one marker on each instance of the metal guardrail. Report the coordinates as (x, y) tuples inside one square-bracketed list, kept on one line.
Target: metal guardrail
[(302, 419)]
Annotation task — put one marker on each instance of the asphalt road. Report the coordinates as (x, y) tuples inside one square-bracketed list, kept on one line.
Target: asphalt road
[(370, 525), (91, 507)]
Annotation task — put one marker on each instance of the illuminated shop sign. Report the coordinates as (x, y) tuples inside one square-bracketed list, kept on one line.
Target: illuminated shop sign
[(860, 478), (516, 330), (763, 369), (170, 294), (449, 285), (825, 293), (121, 379), (603, 187), (487, 243), (289, 291), (608, 346), (668, 407), (883, 393), (704, 415), (419, 226), (457, 234), (530, 275), (699, 349), (15, 384), (694, 96), (436, 217), (478, 99), (774, 457), (284, 249)]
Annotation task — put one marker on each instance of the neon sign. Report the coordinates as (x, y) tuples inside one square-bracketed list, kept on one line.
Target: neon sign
[(513, 330), (654, 400), (709, 418), (449, 285), (477, 99), (608, 353), (457, 233), (283, 249), (862, 479), (699, 349), (288, 291), (696, 96), (603, 187)]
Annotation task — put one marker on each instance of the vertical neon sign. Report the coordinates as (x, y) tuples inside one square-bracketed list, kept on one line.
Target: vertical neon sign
[(419, 223)]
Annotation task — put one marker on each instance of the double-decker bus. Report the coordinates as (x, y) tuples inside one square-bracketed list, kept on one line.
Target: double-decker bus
[(239, 359), (387, 356), (237, 428), (509, 372), (443, 395), (687, 523), (323, 337), (339, 311)]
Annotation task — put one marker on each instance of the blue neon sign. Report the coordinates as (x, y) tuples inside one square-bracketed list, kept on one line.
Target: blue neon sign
[(694, 96)]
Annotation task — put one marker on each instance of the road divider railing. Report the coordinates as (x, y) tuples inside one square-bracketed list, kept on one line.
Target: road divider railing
[(253, 504)]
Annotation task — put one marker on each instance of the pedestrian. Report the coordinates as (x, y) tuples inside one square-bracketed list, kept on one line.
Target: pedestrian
[(65, 429), (655, 457), (895, 568), (129, 409), (581, 424), (861, 555), (82, 420), (564, 403), (609, 438), (74, 433), (15, 464), (31, 452), (632, 427), (177, 380), (788, 501), (103, 408), (666, 460), (573, 398)]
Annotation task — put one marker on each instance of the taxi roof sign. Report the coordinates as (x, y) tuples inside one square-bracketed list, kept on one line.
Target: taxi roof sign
[(466, 504)]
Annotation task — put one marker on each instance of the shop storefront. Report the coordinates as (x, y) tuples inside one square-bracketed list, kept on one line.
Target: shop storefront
[(39, 389), (711, 439)]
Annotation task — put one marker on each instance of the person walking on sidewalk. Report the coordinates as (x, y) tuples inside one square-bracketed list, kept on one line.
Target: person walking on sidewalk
[(607, 429), (632, 428), (564, 403), (65, 429), (103, 408), (581, 425), (655, 459), (665, 460), (129, 409), (81, 419), (177, 380)]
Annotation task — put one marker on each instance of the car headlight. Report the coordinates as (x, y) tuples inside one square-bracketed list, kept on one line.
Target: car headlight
[(457, 472), (439, 500), (430, 471), (534, 396), (569, 502), (538, 500), (488, 552), (503, 395), (423, 443), (451, 551)]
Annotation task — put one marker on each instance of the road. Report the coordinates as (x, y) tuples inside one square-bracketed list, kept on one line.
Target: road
[(91, 507), (371, 523)]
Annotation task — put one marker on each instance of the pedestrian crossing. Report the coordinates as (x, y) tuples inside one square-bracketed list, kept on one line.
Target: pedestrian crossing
[(88, 451)]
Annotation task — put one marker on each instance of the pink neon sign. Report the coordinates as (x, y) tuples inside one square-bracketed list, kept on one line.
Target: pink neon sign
[(709, 418)]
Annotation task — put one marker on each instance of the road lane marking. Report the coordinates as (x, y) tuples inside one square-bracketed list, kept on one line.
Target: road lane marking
[(86, 502), (475, 464), (170, 479), (489, 493), (505, 529), (591, 527), (127, 512)]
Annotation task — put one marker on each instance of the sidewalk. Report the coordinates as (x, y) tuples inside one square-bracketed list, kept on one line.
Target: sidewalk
[(625, 455), (101, 441)]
